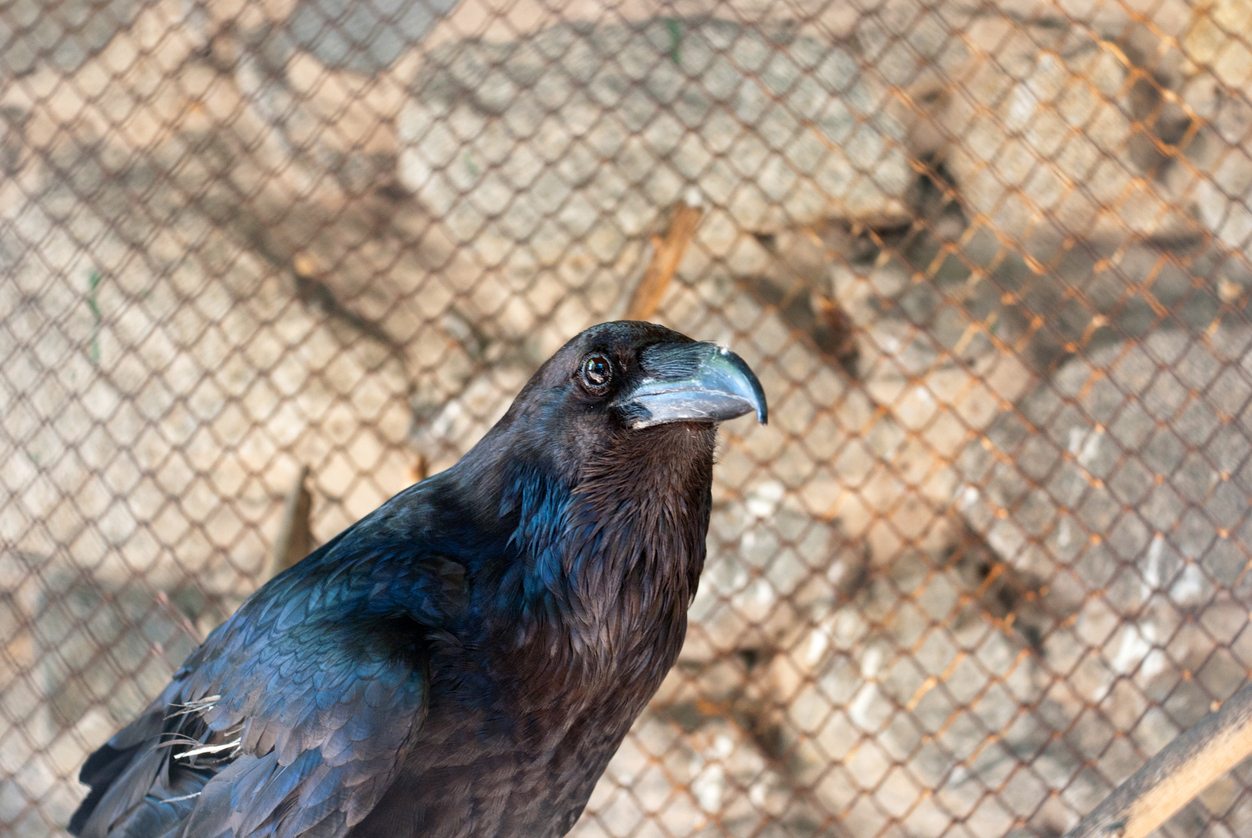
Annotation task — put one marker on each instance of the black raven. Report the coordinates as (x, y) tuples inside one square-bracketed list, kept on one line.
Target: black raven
[(464, 660)]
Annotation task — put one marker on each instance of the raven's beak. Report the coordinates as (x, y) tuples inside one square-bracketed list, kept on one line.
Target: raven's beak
[(692, 382)]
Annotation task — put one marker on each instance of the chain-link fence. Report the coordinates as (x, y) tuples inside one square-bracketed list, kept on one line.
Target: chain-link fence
[(990, 258)]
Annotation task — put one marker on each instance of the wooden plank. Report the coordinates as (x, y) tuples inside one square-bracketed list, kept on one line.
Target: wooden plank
[(1172, 779)]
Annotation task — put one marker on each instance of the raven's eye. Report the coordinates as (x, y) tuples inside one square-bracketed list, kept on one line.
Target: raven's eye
[(596, 372)]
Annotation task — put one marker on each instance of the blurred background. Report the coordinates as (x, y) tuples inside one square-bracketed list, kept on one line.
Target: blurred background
[(991, 260)]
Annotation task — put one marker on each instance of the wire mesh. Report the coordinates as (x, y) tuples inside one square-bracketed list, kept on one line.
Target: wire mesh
[(991, 260)]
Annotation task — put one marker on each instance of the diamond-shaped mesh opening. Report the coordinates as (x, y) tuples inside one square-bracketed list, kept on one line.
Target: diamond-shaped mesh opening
[(992, 262)]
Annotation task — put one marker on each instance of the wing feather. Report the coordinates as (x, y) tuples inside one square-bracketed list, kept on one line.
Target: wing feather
[(291, 719)]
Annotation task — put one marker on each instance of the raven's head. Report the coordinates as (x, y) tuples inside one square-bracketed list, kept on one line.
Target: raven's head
[(599, 476), (618, 386)]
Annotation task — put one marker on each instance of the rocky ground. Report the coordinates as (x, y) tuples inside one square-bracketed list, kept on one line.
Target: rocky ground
[(991, 262)]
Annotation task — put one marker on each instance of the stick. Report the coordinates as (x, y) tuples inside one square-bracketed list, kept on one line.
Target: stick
[(1172, 778), (420, 469), (666, 255), (294, 540)]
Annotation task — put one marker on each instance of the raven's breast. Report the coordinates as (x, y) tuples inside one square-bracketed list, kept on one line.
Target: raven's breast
[(493, 774)]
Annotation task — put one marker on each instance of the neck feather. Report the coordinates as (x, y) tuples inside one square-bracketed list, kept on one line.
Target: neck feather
[(611, 560)]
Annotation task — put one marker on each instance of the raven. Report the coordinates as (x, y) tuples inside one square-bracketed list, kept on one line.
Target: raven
[(464, 660)]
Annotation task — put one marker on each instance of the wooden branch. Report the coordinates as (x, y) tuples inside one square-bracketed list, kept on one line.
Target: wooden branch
[(295, 541), (666, 255), (1172, 778)]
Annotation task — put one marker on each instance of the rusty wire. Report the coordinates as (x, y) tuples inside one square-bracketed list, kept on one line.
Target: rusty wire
[(991, 259)]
